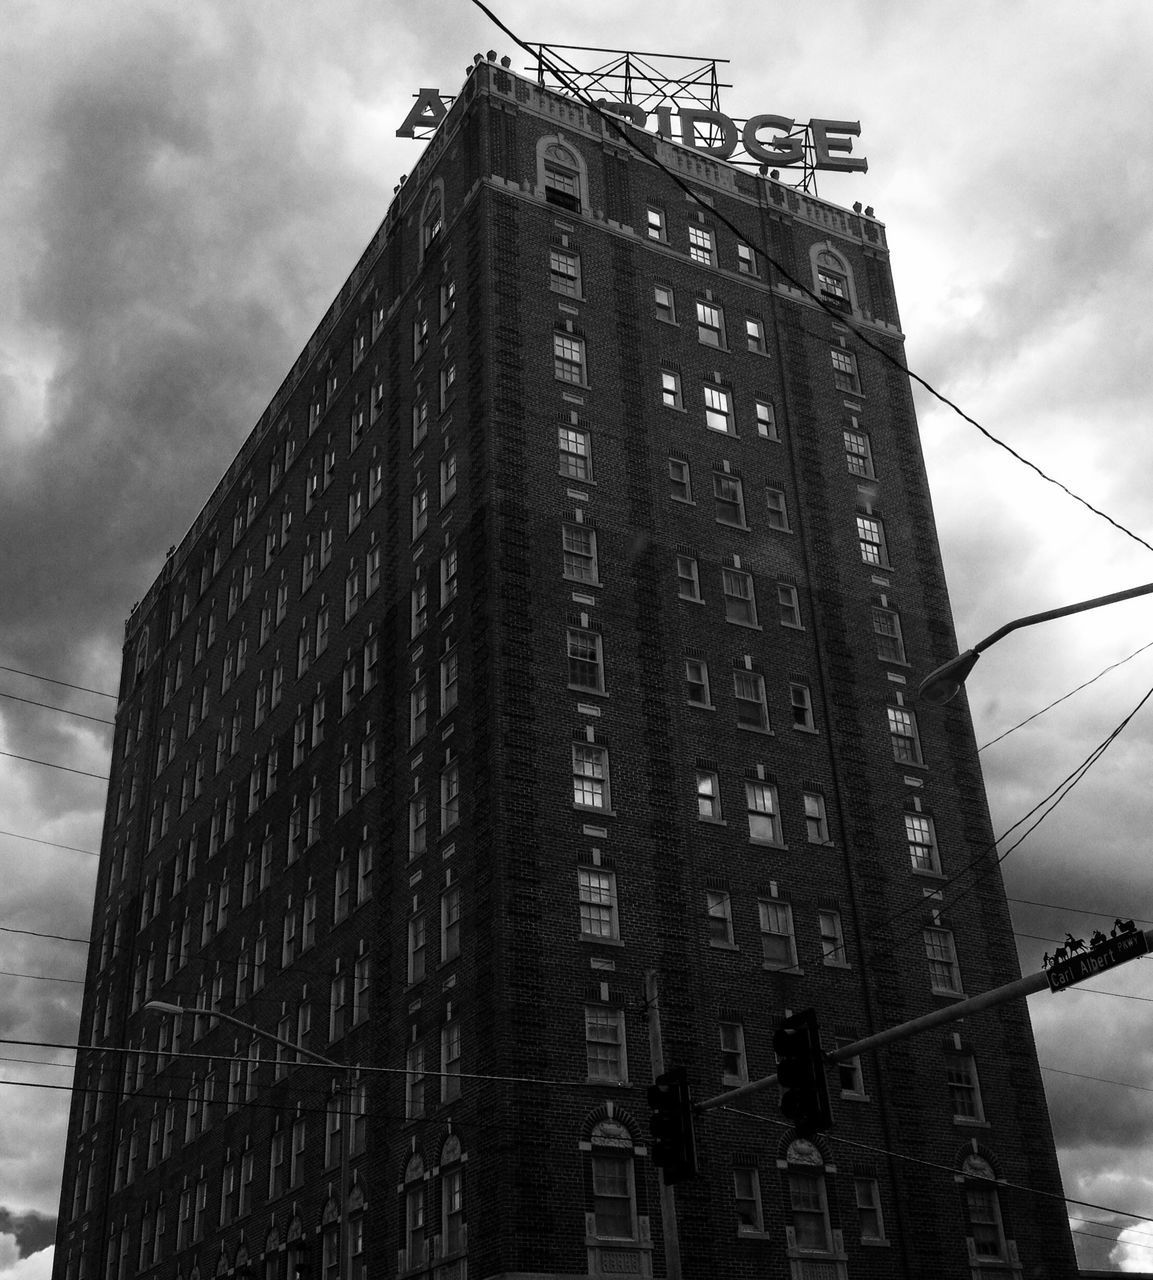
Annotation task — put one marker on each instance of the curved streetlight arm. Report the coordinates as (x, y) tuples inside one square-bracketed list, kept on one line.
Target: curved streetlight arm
[(943, 683), (162, 1006)]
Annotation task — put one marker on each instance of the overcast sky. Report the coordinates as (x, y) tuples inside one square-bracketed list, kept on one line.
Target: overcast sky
[(186, 187)]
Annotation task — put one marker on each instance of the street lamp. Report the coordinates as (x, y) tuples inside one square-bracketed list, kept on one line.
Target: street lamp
[(943, 683), (162, 1006)]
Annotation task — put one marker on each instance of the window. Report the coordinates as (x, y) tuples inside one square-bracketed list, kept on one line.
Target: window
[(730, 498), (764, 814), (419, 421), (585, 660), (903, 735), (447, 300), (655, 223), (569, 358), (868, 1197), (688, 579), (850, 1076), (801, 701), (921, 838), (420, 337), (449, 680), (419, 607), (766, 414), (832, 283), (417, 949), (450, 797), (778, 511), (778, 945), (983, 1210), (680, 480), (597, 890), (720, 916), (702, 246), (419, 512), (417, 825), (740, 602), (564, 272), (447, 479), (708, 796), (749, 694), (858, 455), (664, 304), (788, 605), (845, 371), (605, 1044), (433, 219), (450, 924), (671, 396), (590, 767), (710, 325), (697, 682), (887, 632), (832, 939), (413, 1254), (941, 953), (418, 712), (414, 1083), (816, 819), (746, 260), (719, 409), (747, 1201), (452, 1203), (562, 179), (361, 981), (580, 553), (871, 538), (810, 1211), (575, 453), (734, 1067), (964, 1087), (450, 1073), (755, 335), (614, 1192)]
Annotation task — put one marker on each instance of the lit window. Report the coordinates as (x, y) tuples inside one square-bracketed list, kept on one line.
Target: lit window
[(922, 841), (778, 946), (575, 453), (664, 303), (871, 537), (766, 419), (720, 916), (740, 601), (671, 396), (697, 682), (816, 819), (702, 247), (746, 259), (845, 371), (580, 553), (777, 510), (605, 1044), (755, 335), (941, 953), (964, 1087), (708, 796), (887, 630), (749, 694), (801, 701), (858, 455), (598, 902), (764, 813), (734, 1067), (680, 480), (710, 324), (788, 605), (730, 497), (688, 580), (832, 939), (569, 358), (564, 273), (747, 1201), (590, 767), (585, 660), (719, 409), (903, 735), (655, 223)]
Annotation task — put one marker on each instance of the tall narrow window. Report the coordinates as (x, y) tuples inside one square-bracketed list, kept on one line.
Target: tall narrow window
[(746, 259), (605, 1044), (734, 1067), (450, 1068), (664, 303), (414, 1083), (903, 735), (585, 660), (702, 245), (671, 396), (564, 272), (887, 633), (941, 953), (688, 578), (680, 480), (562, 178), (832, 939), (450, 797), (777, 510), (580, 553), (614, 1192), (816, 819), (983, 1210), (858, 454), (710, 324), (747, 1201), (778, 944), (868, 1198), (730, 499), (590, 766), (764, 814), (575, 453), (450, 923), (832, 283), (719, 409), (766, 414), (697, 682), (569, 358), (655, 223), (921, 838), (801, 701), (708, 796), (964, 1087), (788, 605), (597, 890), (755, 335), (740, 602), (749, 695), (845, 371), (871, 538), (718, 906)]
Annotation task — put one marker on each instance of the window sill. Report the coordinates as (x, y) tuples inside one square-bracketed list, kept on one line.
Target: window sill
[(970, 1123), (805, 728), (793, 970), (768, 844), (690, 599), (600, 942), (712, 822), (702, 706), (876, 1244), (746, 1234), (847, 1095), (685, 502), (752, 728), (732, 524), (592, 809), (948, 995), (584, 689), (723, 946), (926, 874), (751, 626)]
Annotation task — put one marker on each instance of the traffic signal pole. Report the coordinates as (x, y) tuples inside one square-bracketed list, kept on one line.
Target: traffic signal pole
[(904, 1030)]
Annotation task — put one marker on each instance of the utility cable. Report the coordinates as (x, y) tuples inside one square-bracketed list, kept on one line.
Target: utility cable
[(615, 125), (100, 693), (34, 933), (40, 977), (63, 710), (16, 835), (49, 765)]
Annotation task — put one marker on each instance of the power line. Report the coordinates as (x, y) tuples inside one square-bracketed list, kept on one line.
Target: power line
[(16, 835), (1121, 1084), (33, 933), (615, 125), (1056, 701), (49, 707), (1084, 911), (100, 693), (40, 977), (49, 765)]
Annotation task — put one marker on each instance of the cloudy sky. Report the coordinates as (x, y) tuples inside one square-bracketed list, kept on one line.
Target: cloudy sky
[(186, 187)]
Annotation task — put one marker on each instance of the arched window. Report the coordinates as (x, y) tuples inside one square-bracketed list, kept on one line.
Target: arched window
[(811, 1230), (614, 1213), (983, 1212), (432, 218), (272, 1255), (833, 280), (413, 1207), (561, 174), (453, 1231)]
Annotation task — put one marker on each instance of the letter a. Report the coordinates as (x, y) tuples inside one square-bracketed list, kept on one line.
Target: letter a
[(427, 112)]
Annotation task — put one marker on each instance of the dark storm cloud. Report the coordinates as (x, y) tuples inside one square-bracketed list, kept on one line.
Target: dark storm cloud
[(33, 1231)]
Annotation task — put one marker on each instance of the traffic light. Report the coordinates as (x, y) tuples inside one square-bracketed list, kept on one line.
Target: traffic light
[(801, 1074), (671, 1125)]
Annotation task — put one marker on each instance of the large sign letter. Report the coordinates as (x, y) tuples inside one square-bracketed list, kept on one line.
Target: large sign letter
[(689, 122), (427, 112), (782, 151), (823, 145)]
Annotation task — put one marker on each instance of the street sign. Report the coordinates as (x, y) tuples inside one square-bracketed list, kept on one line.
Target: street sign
[(1107, 954)]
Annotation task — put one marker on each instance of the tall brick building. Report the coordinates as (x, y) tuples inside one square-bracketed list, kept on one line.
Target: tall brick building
[(557, 624)]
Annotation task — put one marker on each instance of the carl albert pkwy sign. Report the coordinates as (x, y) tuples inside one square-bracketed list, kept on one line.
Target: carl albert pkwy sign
[(1073, 962)]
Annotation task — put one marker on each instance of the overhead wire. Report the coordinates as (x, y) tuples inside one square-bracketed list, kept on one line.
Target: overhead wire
[(63, 710), (100, 693), (49, 765), (52, 844)]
